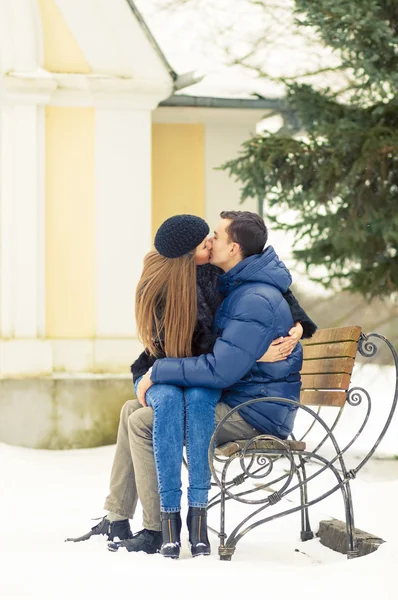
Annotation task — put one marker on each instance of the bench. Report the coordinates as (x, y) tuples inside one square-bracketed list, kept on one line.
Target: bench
[(329, 359)]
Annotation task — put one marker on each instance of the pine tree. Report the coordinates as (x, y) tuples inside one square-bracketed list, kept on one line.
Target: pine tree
[(340, 176)]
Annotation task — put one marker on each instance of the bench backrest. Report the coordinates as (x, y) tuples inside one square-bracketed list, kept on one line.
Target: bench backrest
[(329, 358)]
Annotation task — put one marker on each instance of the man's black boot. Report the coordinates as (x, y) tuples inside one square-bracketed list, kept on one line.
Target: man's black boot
[(171, 530), (112, 529), (145, 540), (197, 528)]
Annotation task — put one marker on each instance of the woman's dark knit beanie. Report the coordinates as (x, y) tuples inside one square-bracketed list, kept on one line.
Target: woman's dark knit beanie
[(180, 234)]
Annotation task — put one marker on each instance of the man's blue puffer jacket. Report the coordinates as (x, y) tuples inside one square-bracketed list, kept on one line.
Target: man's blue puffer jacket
[(252, 314)]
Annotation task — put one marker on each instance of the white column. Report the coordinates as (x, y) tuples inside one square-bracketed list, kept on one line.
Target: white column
[(123, 206), (20, 36), (6, 222), (22, 260), (19, 221), (26, 219), (123, 222)]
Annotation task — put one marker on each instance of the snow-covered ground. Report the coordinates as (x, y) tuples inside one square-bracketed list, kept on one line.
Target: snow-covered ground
[(46, 496)]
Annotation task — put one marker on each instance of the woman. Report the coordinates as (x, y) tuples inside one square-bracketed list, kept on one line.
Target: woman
[(169, 325), (175, 303)]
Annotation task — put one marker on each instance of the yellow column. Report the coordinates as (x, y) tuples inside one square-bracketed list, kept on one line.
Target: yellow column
[(178, 171), (70, 222)]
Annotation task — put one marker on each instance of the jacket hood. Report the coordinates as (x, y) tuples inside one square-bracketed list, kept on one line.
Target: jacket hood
[(262, 268)]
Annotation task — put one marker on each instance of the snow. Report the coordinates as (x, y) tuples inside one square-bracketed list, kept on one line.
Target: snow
[(46, 496)]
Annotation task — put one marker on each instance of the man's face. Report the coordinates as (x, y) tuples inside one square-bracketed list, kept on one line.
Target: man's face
[(222, 247)]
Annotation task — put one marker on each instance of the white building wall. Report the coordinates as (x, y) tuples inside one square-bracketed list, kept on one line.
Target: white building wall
[(222, 143), (125, 84)]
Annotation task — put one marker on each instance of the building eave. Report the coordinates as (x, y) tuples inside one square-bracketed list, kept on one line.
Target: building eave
[(274, 104)]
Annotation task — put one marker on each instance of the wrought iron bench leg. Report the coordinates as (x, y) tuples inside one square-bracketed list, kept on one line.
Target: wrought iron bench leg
[(306, 532), (224, 552), (352, 549)]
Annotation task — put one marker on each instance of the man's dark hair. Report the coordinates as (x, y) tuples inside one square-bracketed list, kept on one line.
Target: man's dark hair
[(246, 229)]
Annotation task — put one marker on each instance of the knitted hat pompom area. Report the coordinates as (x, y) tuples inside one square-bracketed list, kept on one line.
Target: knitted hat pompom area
[(180, 234)]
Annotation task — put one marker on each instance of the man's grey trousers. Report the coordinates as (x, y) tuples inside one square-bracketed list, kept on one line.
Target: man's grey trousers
[(133, 472)]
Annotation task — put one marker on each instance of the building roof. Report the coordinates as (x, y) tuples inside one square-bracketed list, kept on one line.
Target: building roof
[(152, 39), (179, 81), (241, 98)]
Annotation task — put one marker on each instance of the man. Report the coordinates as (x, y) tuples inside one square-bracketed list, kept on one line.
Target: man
[(253, 313)]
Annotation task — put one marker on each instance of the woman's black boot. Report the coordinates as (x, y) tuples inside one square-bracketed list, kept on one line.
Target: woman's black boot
[(171, 530), (197, 527)]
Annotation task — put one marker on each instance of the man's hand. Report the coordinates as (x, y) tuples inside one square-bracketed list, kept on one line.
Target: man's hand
[(143, 387), (282, 347)]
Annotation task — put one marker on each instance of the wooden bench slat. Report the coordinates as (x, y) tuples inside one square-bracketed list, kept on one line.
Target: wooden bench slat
[(230, 448), (340, 334), (331, 350), (338, 381), (327, 365), (323, 398)]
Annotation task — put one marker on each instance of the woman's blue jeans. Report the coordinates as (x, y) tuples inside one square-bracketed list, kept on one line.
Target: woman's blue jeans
[(182, 414)]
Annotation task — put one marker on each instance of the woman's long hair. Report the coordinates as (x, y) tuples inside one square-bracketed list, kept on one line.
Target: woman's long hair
[(165, 304)]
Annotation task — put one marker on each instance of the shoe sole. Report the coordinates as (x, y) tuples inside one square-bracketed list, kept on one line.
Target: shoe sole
[(115, 547), (171, 551), (200, 552), (171, 555)]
